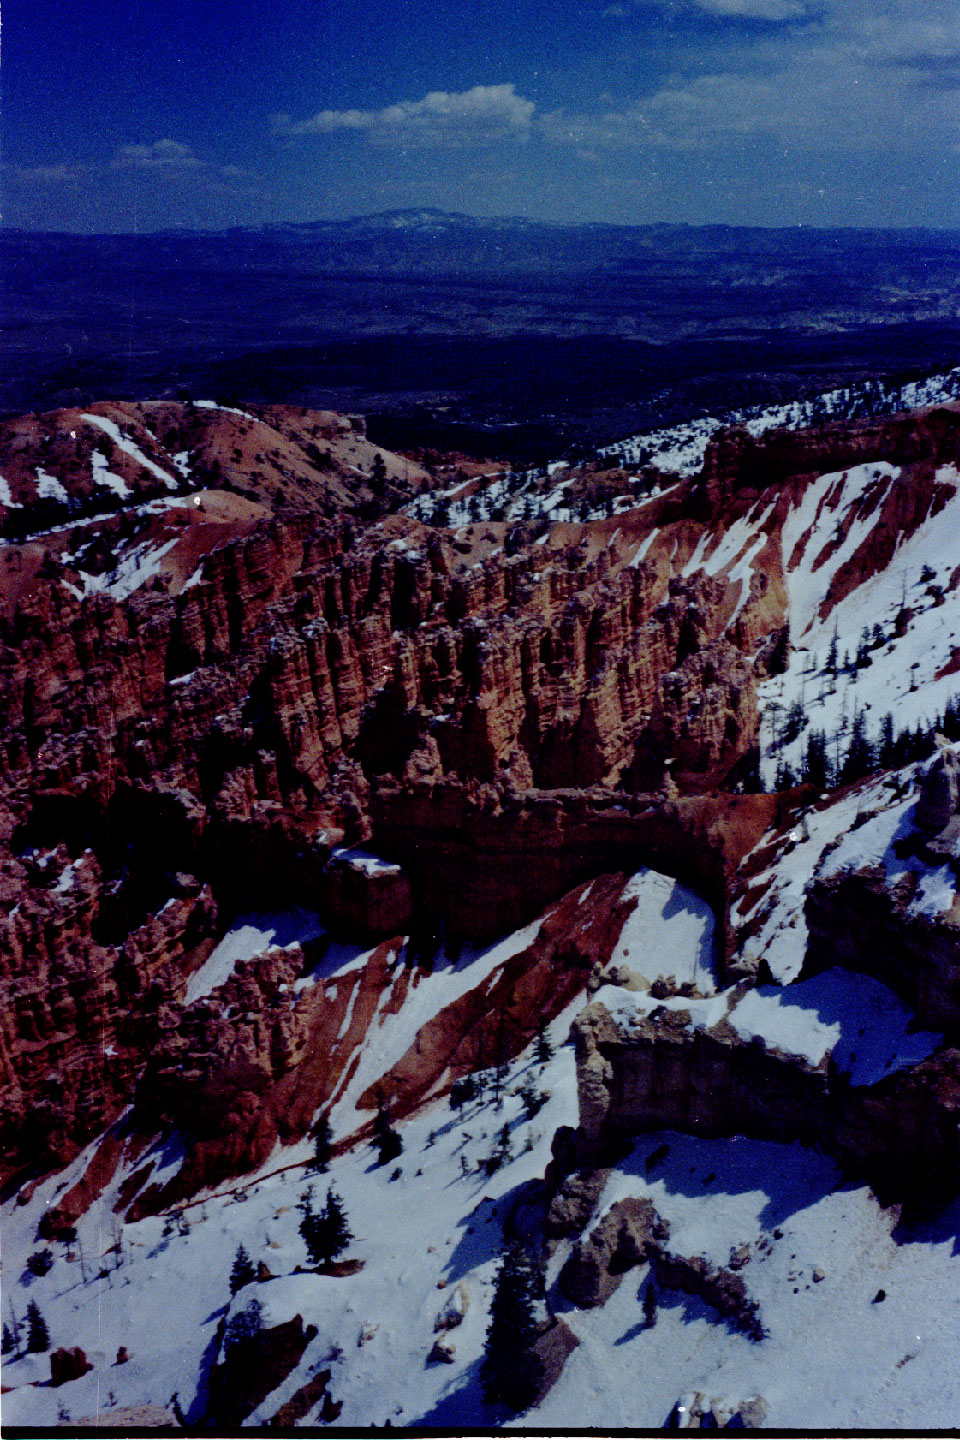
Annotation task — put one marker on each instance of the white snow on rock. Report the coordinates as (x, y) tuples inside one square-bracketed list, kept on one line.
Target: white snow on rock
[(194, 578), (102, 475), (134, 569), (129, 448), (6, 499), (227, 409), (857, 831), (854, 1018), (252, 935), (680, 449), (356, 858), (50, 488), (670, 933), (902, 676), (812, 528)]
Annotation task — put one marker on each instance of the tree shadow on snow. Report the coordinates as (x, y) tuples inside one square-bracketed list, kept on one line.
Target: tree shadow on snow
[(481, 1238), (464, 1407), (199, 1405), (692, 1308)]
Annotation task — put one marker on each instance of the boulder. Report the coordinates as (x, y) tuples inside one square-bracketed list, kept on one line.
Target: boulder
[(939, 793), (67, 1365)]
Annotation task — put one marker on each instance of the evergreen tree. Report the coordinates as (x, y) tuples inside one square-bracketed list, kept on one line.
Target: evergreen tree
[(833, 655), (888, 745), (385, 1137), (462, 1092), (533, 1099), (650, 1304), (815, 768), (9, 1340), (859, 757), (322, 1144), (785, 778), (863, 649), (794, 723), (511, 1372), (543, 1049), (243, 1271), (38, 1336), (326, 1234), (378, 474), (241, 1333)]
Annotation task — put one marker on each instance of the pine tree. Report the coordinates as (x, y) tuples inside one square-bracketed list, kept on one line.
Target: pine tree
[(385, 1138), (543, 1049), (322, 1144), (785, 778), (378, 474), (9, 1340), (888, 744), (243, 1271), (241, 1332), (795, 721), (38, 1336), (512, 1372), (815, 767), (326, 1234), (859, 758), (650, 1304)]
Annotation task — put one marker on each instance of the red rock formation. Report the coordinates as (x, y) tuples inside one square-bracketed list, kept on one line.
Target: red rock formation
[(498, 728)]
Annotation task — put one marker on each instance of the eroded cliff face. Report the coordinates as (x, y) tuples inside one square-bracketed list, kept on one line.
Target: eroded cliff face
[(661, 1072), (313, 677)]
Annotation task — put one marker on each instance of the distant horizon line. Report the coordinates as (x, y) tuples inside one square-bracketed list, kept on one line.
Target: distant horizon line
[(520, 221)]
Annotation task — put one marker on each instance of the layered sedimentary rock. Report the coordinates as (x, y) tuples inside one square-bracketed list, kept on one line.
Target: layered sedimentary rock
[(501, 726), (661, 1073)]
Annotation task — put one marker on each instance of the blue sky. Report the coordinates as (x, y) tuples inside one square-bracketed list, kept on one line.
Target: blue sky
[(141, 114)]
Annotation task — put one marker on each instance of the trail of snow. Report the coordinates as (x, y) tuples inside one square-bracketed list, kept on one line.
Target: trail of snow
[(6, 499), (50, 488), (129, 448), (250, 936), (227, 409), (103, 476)]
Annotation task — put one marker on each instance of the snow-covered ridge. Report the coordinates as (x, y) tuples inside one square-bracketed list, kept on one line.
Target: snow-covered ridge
[(679, 449)]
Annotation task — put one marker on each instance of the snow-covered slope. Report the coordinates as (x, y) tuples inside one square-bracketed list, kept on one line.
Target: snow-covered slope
[(679, 449), (430, 1225)]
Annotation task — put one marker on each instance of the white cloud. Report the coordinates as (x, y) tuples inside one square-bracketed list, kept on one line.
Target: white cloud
[(756, 9), (880, 78), (773, 10), (158, 155), (442, 119), (46, 174)]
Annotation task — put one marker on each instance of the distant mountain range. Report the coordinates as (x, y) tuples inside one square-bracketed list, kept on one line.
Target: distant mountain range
[(591, 331)]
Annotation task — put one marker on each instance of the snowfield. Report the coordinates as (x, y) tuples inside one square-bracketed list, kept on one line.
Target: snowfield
[(819, 1250)]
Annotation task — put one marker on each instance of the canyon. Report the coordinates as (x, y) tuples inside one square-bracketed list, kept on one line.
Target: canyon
[(311, 806)]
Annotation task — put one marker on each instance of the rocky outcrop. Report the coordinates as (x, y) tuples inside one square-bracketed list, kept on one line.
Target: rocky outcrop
[(248, 1372), (660, 1073), (315, 1392), (861, 921), (129, 1419), (67, 1365), (625, 1237), (500, 726), (632, 1233)]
